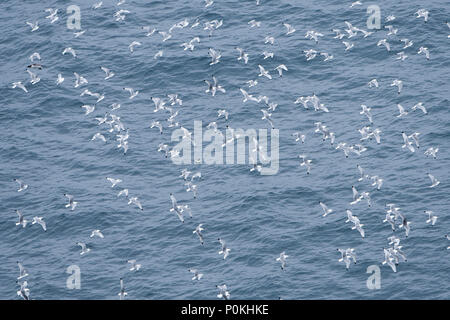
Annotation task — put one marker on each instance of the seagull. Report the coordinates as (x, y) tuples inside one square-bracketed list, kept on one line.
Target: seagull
[(431, 219), (122, 292), (289, 29), (356, 3), (313, 35), (34, 77), (431, 152), (348, 45), (176, 208), (134, 266), (373, 83), (415, 137), (52, 15), (215, 56), (280, 69), (267, 55), (132, 92), (282, 258), (421, 107), (35, 55), (69, 50), (366, 111), (79, 80), (134, 44), (325, 209), (407, 225), (242, 55), (123, 192), (208, 3), (401, 56), (173, 99), (79, 33), (424, 50), (223, 292), (401, 110), (263, 72), (267, 116), (60, 79), (434, 181), (407, 43), (198, 230), (88, 109), (397, 83), (422, 13), (72, 204), (22, 220), (225, 251), (388, 259), (18, 84), (298, 136), (113, 181), (33, 26), (158, 125), (108, 73), (407, 143), (390, 219), (150, 31), (158, 54), (384, 42), (377, 181), (448, 238), (22, 271), (22, 186), (222, 113), (269, 39), (84, 249), (392, 30), (135, 201), (39, 220), (253, 23), (24, 292), (97, 233), (197, 275), (214, 87), (99, 136), (358, 226), (327, 56), (306, 163)]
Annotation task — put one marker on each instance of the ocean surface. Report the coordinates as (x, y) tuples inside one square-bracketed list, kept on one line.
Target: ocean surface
[(46, 143)]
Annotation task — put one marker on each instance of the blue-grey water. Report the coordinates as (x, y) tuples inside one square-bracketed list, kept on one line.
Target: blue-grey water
[(45, 142)]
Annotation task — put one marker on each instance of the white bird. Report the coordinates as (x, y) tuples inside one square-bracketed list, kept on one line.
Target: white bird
[(431, 152), (327, 56), (431, 218), (373, 83), (158, 54), (366, 111), (99, 136), (97, 233), (253, 23), (325, 209), (242, 55), (113, 181), (397, 83), (289, 29), (222, 113), (390, 219), (422, 13), (18, 84), (401, 56), (208, 3), (356, 3), (122, 292), (134, 44), (434, 181), (415, 137), (135, 201), (88, 109), (305, 162), (298, 136), (60, 79), (223, 292), (421, 107), (269, 39), (392, 30), (263, 72), (134, 265), (133, 93), (348, 45), (123, 192), (407, 143), (22, 185), (40, 221), (424, 50), (84, 248), (79, 80), (401, 111), (22, 221), (150, 31), (407, 43), (197, 275), (384, 42), (52, 15), (33, 26), (108, 73), (22, 271), (198, 230), (215, 56), (71, 51), (225, 251), (280, 69), (282, 258), (72, 204)]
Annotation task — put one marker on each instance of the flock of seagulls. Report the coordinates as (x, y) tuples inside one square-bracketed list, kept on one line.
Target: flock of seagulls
[(112, 128)]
